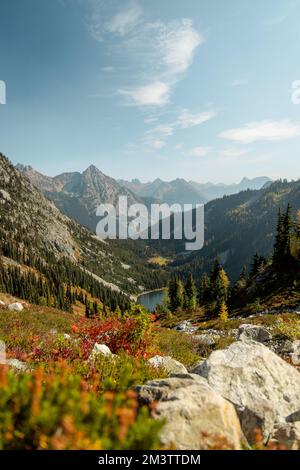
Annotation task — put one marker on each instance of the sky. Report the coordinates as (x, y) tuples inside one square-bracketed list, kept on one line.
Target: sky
[(205, 90)]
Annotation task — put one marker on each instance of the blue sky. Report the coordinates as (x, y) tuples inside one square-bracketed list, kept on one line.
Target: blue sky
[(144, 89)]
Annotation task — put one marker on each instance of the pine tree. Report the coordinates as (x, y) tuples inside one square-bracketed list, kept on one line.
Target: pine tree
[(219, 283), (258, 264), (282, 246), (204, 289), (242, 280), (176, 294)]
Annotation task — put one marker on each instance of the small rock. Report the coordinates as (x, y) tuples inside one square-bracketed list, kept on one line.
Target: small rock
[(254, 332), (186, 327), (197, 368), (2, 304), (287, 435), (287, 346), (15, 307), (170, 365), (206, 339), (66, 336), (295, 358), (16, 364)]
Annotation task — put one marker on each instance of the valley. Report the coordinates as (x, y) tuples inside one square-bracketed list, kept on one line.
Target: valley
[(95, 317)]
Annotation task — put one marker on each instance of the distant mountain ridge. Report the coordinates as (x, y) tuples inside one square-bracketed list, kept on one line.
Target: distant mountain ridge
[(79, 194), (184, 192)]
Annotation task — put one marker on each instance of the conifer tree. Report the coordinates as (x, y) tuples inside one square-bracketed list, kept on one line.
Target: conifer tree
[(176, 294), (223, 311), (190, 299), (204, 289)]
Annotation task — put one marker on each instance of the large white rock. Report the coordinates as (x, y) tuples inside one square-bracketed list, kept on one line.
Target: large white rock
[(100, 349), (254, 332), (263, 387), (16, 307), (170, 365), (196, 416)]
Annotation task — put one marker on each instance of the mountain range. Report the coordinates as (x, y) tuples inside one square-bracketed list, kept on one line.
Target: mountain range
[(239, 222), (31, 223), (190, 192), (79, 194)]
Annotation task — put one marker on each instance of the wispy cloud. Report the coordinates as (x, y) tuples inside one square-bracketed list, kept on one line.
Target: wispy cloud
[(199, 151), (126, 20), (155, 94), (178, 41), (157, 144), (233, 153), (184, 120), (171, 47), (263, 131), (157, 52), (187, 119), (106, 19)]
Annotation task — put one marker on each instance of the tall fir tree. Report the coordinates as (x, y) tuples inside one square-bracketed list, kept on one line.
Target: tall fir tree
[(190, 294)]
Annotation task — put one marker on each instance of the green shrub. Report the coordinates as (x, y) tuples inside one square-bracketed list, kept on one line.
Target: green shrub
[(59, 410)]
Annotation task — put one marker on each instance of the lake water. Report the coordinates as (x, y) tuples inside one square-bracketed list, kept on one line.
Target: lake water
[(151, 299)]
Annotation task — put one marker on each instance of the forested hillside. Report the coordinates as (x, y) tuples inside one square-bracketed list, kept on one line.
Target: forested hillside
[(48, 258), (238, 226)]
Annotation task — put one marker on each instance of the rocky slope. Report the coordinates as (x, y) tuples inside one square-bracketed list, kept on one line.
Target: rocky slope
[(30, 220), (79, 194)]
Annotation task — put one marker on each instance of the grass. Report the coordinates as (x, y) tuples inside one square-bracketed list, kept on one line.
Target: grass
[(268, 320), (178, 345)]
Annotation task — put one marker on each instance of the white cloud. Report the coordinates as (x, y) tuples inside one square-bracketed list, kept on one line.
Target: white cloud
[(161, 51), (232, 153), (157, 53), (150, 120), (155, 94), (124, 21), (163, 129), (263, 131), (199, 151), (187, 119), (178, 42), (157, 144)]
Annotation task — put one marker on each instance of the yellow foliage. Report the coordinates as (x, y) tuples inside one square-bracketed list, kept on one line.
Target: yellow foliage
[(223, 312)]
